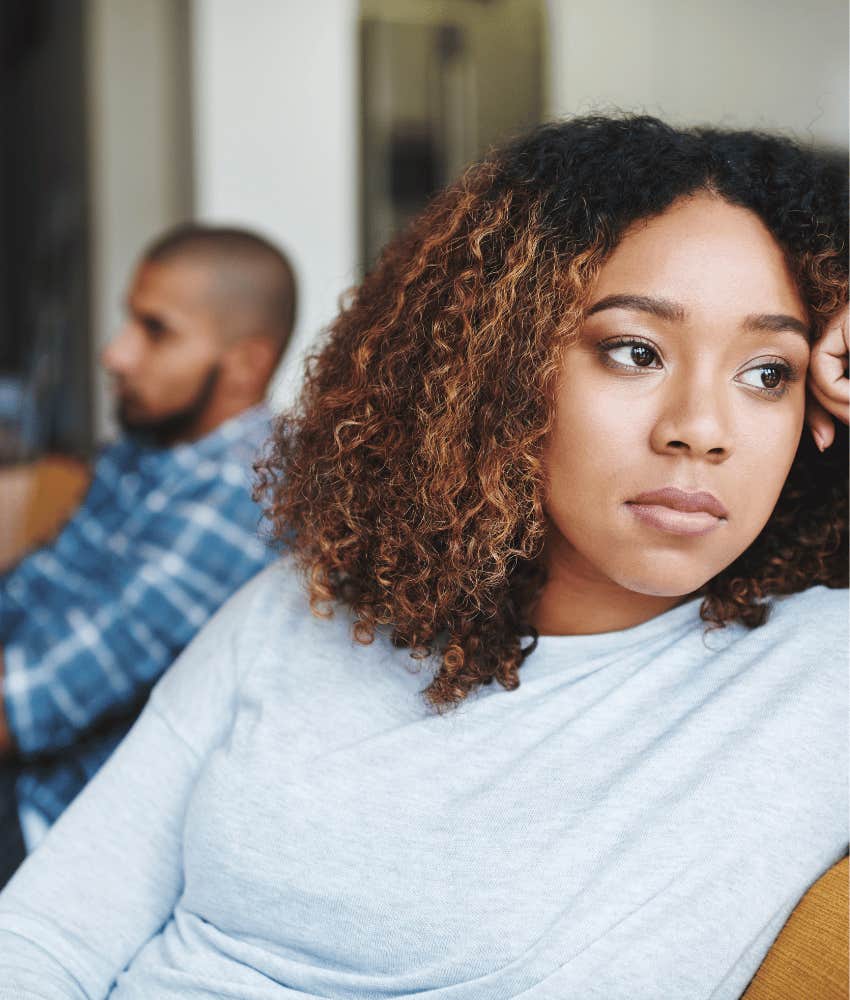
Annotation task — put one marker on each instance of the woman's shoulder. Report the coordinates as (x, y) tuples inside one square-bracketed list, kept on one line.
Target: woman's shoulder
[(246, 630), (271, 617), (312, 662), (822, 612), (231, 638), (277, 589), (809, 631), (805, 632)]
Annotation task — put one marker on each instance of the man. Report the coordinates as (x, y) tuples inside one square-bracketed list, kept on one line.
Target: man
[(167, 530)]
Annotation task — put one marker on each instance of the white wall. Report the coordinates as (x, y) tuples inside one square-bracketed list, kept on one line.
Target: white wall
[(777, 64), (139, 149), (276, 113), (275, 104)]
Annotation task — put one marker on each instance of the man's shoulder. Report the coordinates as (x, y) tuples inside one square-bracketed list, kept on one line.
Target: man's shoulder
[(242, 434), (146, 493), (226, 455)]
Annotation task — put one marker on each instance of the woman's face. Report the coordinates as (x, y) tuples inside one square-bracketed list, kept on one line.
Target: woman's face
[(680, 406)]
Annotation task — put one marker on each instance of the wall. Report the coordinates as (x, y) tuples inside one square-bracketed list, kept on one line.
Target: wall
[(743, 63), (276, 105), (275, 124), (140, 150)]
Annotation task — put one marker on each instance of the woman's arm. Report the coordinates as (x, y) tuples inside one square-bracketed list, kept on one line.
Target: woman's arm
[(107, 876)]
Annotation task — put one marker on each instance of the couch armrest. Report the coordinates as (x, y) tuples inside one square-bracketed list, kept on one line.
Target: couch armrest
[(809, 957)]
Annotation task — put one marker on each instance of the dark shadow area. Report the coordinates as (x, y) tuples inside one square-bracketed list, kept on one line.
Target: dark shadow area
[(44, 259)]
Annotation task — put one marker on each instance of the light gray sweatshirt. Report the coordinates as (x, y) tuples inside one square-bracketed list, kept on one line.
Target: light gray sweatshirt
[(289, 819)]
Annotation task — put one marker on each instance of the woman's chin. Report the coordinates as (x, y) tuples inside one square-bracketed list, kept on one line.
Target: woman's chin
[(653, 583)]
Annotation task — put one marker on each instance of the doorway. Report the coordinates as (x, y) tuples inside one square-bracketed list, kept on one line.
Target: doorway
[(441, 82)]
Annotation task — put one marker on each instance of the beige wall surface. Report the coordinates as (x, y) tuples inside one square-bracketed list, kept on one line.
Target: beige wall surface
[(140, 150), (773, 64), (275, 102), (276, 112)]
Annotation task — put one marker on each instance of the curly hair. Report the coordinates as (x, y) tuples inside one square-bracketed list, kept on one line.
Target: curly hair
[(408, 482)]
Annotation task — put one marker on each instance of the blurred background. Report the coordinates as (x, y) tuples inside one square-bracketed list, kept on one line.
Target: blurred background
[(323, 124)]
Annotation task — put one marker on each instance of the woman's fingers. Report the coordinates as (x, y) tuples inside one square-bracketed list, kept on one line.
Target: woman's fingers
[(820, 423), (827, 379)]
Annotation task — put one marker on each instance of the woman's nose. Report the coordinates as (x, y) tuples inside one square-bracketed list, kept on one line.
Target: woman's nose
[(694, 419)]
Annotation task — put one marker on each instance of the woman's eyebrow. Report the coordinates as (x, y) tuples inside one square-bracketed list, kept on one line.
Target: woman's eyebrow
[(663, 308), (775, 323), (666, 309)]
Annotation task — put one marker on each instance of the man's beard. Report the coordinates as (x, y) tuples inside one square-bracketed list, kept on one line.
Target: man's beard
[(176, 426)]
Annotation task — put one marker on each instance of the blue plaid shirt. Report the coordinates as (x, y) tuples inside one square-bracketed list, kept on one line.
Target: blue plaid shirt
[(89, 622)]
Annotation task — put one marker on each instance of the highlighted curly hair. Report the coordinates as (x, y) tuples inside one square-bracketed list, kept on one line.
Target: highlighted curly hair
[(407, 481)]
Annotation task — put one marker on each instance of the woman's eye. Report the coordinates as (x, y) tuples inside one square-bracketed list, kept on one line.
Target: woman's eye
[(632, 354), (771, 378)]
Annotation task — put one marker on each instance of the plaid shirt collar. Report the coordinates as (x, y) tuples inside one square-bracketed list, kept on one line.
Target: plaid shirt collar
[(251, 425)]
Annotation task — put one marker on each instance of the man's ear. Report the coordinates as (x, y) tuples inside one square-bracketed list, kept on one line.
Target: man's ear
[(252, 362)]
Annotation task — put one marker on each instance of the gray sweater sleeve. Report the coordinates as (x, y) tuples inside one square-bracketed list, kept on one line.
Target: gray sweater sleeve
[(109, 873)]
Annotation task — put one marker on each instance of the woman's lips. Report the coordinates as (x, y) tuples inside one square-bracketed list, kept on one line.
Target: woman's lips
[(679, 512), (678, 522)]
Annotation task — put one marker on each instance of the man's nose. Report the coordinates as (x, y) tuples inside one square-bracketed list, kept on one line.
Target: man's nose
[(121, 354), (695, 418)]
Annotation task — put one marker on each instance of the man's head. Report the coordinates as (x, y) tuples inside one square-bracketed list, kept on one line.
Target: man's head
[(209, 313)]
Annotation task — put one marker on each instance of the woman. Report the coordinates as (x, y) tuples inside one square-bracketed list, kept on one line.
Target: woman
[(553, 441)]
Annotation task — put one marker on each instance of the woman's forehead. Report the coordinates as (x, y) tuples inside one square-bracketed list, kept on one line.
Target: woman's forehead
[(702, 254)]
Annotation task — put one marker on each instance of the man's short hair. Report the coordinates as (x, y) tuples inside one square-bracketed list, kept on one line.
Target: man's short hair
[(254, 280)]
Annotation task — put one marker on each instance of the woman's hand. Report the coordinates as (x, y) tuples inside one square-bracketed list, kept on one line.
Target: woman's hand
[(827, 383)]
